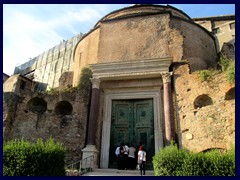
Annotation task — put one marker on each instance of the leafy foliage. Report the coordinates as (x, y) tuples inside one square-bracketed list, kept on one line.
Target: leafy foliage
[(228, 66), (231, 72), (171, 161), (204, 75), (85, 85), (223, 62), (22, 158)]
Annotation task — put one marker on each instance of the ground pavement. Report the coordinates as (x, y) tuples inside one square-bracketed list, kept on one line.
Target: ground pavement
[(117, 172)]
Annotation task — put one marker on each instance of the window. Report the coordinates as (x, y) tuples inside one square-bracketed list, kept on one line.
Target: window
[(232, 25)]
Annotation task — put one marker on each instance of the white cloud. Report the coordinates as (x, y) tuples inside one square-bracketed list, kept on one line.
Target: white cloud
[(29, 30), (24, 38)]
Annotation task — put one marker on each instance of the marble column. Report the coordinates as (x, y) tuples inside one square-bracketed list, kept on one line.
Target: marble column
[(168, 108), (90, 149)]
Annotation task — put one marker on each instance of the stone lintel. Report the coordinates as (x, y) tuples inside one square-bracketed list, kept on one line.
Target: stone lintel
[(147, 68)]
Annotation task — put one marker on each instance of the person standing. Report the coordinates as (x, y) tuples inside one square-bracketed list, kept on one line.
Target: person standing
[(126, 150), (121, 158), (117, 152), (142, 160), (131, 157), (136, 154)]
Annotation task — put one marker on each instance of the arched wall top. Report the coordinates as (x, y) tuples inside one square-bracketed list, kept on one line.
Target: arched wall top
[(143, 9)]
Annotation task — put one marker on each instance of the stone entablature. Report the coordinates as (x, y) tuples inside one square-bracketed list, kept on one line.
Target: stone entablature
[(148, 68)]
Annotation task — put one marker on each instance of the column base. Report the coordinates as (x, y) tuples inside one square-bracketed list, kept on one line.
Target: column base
[(89, 156)]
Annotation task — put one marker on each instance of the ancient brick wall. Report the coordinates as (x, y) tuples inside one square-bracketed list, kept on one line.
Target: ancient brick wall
[(198, 45), (136, 38), (85, 53), (205, 117), (60, 116)]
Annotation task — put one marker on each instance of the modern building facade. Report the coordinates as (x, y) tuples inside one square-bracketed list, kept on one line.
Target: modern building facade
[(223, 28)]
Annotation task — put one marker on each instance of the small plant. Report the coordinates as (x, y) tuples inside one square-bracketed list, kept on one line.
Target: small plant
[(52, 91), (204, 75), (231, 72), (223, 63)]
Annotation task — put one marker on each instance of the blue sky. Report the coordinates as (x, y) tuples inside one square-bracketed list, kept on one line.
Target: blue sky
[(31, 29)]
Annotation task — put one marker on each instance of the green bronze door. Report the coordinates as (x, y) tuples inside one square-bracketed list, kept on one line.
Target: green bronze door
[(132, 122)]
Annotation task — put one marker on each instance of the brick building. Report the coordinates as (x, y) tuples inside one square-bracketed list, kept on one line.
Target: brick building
[(145, 88)]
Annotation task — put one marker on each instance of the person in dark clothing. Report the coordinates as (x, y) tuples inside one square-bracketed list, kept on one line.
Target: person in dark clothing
[(117, 153), (121, 157)]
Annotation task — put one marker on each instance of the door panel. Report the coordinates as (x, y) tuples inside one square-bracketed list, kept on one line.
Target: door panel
[(132, 122)]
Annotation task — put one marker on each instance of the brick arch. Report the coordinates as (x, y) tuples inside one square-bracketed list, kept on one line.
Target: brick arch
[(37, 105), (63, 108), (230, 94), (202, 101)]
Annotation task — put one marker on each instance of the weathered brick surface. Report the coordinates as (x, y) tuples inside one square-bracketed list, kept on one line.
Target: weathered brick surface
[(20, 122), (211, 126)]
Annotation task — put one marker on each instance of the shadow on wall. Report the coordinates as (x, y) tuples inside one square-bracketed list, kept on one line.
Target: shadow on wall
[(64, 110), (202, 101)]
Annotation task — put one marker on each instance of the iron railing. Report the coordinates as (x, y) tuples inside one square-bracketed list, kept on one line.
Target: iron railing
[(80, 167)]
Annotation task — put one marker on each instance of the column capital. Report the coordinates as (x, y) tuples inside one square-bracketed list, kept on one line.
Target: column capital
[(95, 82), (166, 76)]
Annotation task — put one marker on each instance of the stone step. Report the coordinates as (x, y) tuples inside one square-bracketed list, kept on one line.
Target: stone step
[(117, 172)]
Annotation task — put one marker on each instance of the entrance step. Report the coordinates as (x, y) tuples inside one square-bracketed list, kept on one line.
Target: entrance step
[(117, 172)]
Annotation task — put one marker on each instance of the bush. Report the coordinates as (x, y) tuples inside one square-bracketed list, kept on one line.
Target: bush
[(224, 63), (204, 75), (194, 165), (168, 161), (228, 66), (22, 158), (171, 161), (221, 164), (231, 72)]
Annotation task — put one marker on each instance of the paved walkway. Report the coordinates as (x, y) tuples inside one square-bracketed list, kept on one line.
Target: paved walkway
[(116, 172)]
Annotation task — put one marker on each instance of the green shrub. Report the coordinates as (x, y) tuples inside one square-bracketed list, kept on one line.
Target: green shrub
[(204, 75), (221, 164), (168, 161), (22, 158), (194, 165), (224, 63), (231, 72), (171, 161)]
